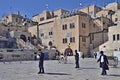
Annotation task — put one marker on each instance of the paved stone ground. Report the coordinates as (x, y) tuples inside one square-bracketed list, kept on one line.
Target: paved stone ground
[(27, 70)]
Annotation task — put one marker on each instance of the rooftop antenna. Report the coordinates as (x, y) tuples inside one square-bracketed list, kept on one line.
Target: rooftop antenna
[(80, 4), (46, 6)]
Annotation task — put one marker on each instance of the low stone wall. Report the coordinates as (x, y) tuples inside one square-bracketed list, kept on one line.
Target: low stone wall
[(16, 54)]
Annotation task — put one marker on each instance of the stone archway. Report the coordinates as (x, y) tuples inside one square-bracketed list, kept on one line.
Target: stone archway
[(68, 52), (50, 43)]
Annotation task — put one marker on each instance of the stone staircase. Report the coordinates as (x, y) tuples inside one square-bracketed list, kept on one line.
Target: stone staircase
[(25, 45)]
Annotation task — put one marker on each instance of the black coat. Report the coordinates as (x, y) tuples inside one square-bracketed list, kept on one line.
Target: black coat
[(104, 64), (77, 57), (41, 60)]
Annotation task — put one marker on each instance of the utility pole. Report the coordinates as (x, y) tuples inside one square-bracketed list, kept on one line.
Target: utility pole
[(46, 6), (37, 33)]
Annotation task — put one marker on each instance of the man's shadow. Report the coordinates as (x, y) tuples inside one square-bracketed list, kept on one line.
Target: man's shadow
[(115, 75), (82, 68), (57, 73)]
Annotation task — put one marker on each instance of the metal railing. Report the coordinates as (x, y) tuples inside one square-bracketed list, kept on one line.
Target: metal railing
[(113, 60)]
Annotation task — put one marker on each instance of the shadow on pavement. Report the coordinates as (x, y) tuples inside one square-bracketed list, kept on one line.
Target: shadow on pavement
[(57, 73), (115, 75), (87, 68)]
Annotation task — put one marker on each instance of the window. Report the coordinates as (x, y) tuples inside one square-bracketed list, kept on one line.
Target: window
[(90, 13), (72, 25), (17, 20), (42, 34), (41, 19), (64, 40), (113, 37), (50, 33), (91, 38), (94, 25), (83, 25), (83, 39), (72, 39), (116, 19), (118, 37), (64, 27)]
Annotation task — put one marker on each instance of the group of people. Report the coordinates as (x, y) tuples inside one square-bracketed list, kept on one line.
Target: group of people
[(102, 59), (62, 58)]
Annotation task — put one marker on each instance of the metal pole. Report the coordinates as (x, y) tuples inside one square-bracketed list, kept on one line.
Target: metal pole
[(79, 42), (37, 33)]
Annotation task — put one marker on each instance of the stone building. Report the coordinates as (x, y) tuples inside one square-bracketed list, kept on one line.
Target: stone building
[(113, 43), (84, 29), (74, 28), (15, 27)]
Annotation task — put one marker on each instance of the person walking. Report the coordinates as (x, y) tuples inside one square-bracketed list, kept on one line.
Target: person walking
[(76, 59), (65, 58), (41, 61), (83, 56), (103, 63), (95, 55)]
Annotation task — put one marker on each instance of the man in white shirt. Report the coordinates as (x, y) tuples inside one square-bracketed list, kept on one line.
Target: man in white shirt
[(103, 63)]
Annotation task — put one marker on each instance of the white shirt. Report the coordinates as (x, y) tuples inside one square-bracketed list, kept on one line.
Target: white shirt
[(102, 59)]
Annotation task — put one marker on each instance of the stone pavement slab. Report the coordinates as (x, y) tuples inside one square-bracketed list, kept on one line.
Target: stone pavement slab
[(27, 70)]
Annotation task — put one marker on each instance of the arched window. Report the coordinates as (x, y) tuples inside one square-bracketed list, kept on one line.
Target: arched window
[(23, 37)]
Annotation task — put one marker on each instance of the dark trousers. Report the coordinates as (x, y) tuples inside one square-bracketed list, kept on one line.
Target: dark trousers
[(77, 64), (103, 66), (41, 68), (103, 71)]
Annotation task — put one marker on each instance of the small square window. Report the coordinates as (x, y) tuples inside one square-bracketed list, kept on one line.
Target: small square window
[(42, 19), (72, 39), (72, 25), (64, 27), (64, 40), (83, 25), (113, 37)]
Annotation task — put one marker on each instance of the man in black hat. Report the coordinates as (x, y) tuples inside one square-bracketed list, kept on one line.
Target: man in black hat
[(76, 59), (41, 61), (103, 63)]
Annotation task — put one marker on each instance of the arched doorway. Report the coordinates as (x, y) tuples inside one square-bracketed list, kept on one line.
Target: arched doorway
[(23, 37), (50, 43), (68, 52)]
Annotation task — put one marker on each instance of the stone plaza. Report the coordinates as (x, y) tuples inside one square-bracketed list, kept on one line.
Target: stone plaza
[(27, 70)]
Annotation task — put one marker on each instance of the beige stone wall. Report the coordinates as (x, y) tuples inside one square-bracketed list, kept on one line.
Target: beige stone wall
[(15, 22), (59, 34), (91, 10), (33, 30), (113, 6), (103, 12), (114, 31), (45, 30), (110, 45), (59, 12)]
